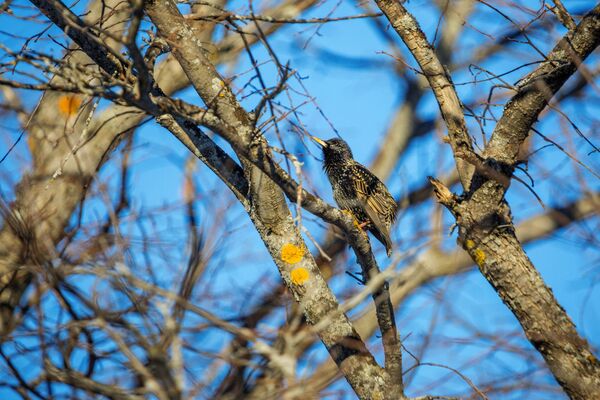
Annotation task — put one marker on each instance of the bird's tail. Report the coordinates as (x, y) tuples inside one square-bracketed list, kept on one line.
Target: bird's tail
[(384, 238)]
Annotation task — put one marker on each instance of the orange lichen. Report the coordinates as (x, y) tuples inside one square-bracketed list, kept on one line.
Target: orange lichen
[(479, 256), (69, 104), (291, 254), (299, 275), (32, 143), (469, 244)]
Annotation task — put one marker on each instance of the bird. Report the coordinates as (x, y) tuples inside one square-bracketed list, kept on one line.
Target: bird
[(358, 191)]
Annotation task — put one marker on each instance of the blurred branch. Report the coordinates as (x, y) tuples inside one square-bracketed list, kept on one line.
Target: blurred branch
[(51, 143), (49, 202), (274, 20), (563, 15), (152, 336), (80, 381)]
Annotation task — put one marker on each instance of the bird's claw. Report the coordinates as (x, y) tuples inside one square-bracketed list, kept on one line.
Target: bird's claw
[(360, 225), (363, 224)]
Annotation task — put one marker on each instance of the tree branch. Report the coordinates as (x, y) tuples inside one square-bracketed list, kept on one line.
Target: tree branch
[(251, 147), (485, 226), (439, 80), (433, 264)]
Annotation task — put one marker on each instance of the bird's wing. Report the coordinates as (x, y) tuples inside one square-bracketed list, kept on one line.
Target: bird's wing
[(374, 197)]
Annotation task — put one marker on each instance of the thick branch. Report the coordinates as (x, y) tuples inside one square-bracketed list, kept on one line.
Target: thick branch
[(537, 88), (434, 264), (450, 106), (238, 130), (486, 229), (62, 17)]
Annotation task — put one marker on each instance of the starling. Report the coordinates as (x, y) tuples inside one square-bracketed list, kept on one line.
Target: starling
[(358, 190)]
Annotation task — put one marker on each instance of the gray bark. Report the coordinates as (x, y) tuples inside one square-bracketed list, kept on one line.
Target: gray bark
[(485, 227)]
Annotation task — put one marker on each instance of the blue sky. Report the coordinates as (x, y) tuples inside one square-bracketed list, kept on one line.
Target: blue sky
[(359, 103)]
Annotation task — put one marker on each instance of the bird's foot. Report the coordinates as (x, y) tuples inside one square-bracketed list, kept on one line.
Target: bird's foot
[(359, 225)]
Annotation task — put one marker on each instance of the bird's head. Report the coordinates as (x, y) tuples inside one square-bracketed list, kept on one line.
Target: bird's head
[(334, 149)]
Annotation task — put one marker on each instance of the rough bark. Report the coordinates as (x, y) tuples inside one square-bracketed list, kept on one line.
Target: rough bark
[(439, 80), (38, 194), (237, 128), (488, 235), (269, 212), (433, 264), (267, 208), (485, 226)]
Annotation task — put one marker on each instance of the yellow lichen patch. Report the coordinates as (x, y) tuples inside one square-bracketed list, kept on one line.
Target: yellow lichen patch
[(68, 104), (469, 244), (220, 86), (32, 143), (299, 275), (291, 254), (479, 256), (377, 395)]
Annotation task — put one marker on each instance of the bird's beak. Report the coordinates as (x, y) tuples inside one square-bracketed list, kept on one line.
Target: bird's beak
[(319, 141)]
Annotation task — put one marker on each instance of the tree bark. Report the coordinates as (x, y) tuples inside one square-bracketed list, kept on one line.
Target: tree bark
[(268, 209), (486, 230)]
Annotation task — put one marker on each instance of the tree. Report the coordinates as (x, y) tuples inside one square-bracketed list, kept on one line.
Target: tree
[(98, 290)]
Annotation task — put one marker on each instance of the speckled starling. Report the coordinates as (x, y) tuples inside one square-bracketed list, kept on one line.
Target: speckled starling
[(358, 190)]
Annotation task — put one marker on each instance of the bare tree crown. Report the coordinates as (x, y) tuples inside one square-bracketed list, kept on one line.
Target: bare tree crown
[(167, 232)]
